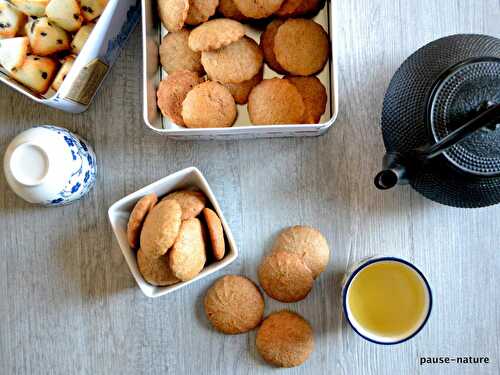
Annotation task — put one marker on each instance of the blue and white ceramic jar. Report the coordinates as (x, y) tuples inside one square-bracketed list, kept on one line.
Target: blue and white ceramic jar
[(50, 166)]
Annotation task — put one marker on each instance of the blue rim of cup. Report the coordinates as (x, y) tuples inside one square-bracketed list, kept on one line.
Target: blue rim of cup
[(363, 266)]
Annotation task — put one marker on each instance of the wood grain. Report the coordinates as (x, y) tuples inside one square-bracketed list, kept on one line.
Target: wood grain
[(68, 304)]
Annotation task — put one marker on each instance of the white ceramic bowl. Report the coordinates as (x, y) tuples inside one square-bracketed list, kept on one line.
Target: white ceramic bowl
[(120, 211)]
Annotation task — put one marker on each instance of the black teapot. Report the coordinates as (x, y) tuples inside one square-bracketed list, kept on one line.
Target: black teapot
[(441, 122)]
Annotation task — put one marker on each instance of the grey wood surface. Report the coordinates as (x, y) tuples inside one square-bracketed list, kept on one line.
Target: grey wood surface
[(69, 305)]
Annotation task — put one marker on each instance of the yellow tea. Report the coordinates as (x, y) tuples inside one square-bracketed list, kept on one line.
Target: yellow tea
[(388, 299)]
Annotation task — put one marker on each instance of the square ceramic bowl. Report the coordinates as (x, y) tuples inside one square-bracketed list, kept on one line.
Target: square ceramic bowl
[(120, 211)]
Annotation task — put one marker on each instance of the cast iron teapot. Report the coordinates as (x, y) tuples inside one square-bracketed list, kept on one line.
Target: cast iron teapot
[(441, 122)]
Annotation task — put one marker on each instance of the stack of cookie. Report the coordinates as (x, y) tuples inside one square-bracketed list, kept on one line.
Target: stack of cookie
[(173, 236), (234, 304), (216, 65)]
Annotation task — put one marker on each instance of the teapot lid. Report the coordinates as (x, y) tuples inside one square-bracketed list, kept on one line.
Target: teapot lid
[(461, 94)]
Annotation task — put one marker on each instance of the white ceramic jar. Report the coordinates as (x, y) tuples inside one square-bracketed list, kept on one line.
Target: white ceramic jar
[(50, 166)]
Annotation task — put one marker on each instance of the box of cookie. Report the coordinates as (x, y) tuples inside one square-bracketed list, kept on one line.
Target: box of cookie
[(58, 52), (218, 69), (172, 233)]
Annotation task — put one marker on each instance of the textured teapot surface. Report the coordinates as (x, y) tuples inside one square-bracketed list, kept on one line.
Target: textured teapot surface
[(437, 90)]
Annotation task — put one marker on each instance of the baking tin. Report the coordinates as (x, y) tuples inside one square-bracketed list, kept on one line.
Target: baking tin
[(152, 33), (94, 61)]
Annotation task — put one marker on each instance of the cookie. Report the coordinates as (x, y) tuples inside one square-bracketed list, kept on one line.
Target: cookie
[(187, 256), (215, 232), (200, 11), (155, 271), (46, 38), (314, 50), (161, 228), (91, 9), (285, 339), (173, 13), (258, 8), (209, 105), (229, 10), (234, 304), (267, 45), (215, 34), (13, 52), (34, 8), (65, 14), (288, 7), (176, 55), (275, 101), (137, 217), (172, 92), (192, 202), (306, 242), (285, 277), (308, 8), (235, 63), (314, 95), (36, 73), (11, 20), (241, 91), (67, 64), (81, 37)]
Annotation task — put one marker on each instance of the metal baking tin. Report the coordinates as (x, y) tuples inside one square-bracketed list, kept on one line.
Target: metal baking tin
[(94, 61), (153, 31)]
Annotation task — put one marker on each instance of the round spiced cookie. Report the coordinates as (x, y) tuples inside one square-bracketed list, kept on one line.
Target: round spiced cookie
[(241, 91), (285, 277), (173, 13), (314, 50), (176, 55), (215, 232), (137, 217), (215, 34), (258, 8), (314, 94), (267, 45), (288, 7), (234, 304), (209, 105), (200, 11), (172, 92), (229, 10), (275, 102), (192, 202), (306, 242), (161, 228), (308, 8), (155, 271), (187, 256), (235, 63), (285, 339)]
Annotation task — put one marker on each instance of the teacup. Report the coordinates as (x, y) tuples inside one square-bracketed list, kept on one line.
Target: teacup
[(50, 166), (386, 300)]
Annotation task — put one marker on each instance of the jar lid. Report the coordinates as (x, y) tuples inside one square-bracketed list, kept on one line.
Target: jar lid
[(461, 95)]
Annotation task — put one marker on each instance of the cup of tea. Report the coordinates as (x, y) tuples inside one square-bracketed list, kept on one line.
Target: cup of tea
[(50, 166), (386, 300)]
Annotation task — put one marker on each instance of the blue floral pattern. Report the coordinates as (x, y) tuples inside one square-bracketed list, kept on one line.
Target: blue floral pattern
[(85, 169), (116, 44)]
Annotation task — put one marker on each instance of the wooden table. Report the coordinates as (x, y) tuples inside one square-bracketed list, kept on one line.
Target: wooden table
[(69, 305)]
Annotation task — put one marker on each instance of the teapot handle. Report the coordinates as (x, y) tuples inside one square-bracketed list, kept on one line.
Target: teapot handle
[(429, 152), (395, 170)]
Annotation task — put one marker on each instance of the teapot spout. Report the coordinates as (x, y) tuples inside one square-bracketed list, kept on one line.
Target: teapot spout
[(394, 173)]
